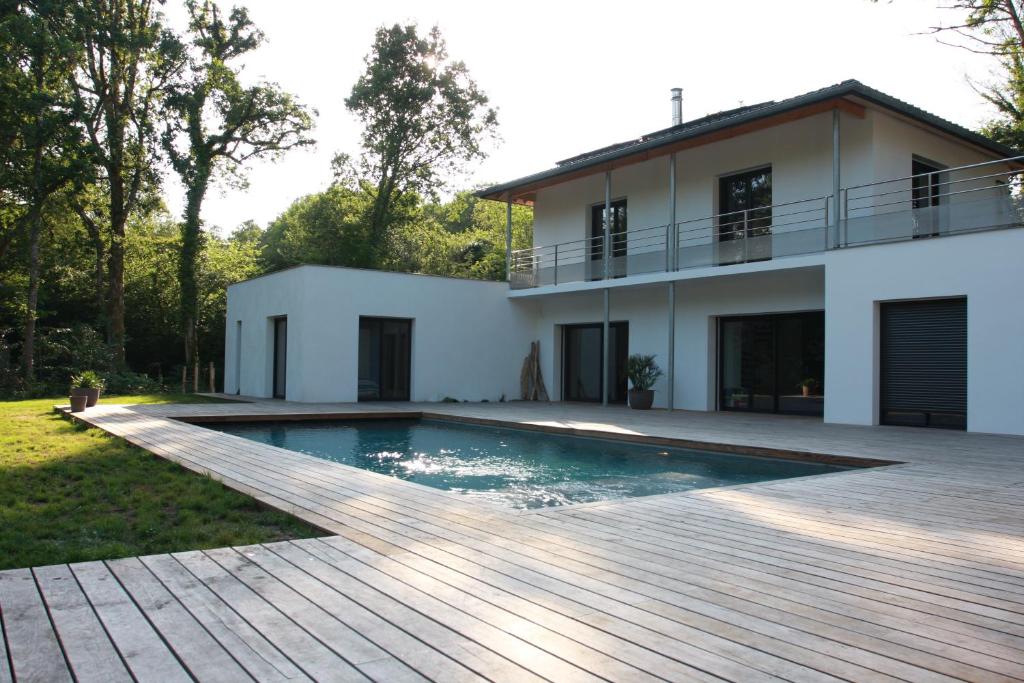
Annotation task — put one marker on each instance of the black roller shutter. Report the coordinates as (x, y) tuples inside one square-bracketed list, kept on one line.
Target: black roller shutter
[(924, 363)]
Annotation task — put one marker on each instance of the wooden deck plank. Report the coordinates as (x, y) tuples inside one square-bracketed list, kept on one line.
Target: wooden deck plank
[(313, 657), (254, 652), (32, 647), (90, 654), (436, 633), (429, 662), (344, 641), (201, 654), (143, 650)]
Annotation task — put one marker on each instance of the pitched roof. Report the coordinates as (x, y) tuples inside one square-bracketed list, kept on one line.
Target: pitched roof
[(724, 120)]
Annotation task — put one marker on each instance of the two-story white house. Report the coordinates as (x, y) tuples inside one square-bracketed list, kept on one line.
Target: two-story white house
[(840, 253)]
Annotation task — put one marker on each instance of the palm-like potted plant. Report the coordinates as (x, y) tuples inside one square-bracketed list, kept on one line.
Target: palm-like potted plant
[(807, 385), (88, 384), (643, 372)]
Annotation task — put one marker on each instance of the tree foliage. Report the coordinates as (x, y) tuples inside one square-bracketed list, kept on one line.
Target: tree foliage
[(120, 284), (423, 119), (214, 125), (128, 58), (994, 28)]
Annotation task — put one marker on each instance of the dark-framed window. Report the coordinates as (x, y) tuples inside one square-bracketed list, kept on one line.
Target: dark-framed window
[(618, 229), (582, 354), (744, 204), (280, 356), (385, 359), (772, 363), (926, 196), (926, 183)]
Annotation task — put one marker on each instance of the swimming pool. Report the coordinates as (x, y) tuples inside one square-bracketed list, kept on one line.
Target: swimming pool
[(515, 467)]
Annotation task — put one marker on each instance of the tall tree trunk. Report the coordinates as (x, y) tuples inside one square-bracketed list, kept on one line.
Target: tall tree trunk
[(191, 248), (99, 264), (115, 271), (28, 346)]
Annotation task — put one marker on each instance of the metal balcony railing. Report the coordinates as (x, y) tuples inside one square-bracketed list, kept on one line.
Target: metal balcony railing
[(986, 196)]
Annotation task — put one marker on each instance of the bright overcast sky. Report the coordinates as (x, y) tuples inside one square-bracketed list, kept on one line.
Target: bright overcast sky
[(570, 77)]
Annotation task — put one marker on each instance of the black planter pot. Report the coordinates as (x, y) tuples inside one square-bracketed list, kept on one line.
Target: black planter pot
[(641, 400), (78, 402), (93, 395)]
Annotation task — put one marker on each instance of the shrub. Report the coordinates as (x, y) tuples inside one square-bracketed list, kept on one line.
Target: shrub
[(642, 371), (89, 379), (131, 383)]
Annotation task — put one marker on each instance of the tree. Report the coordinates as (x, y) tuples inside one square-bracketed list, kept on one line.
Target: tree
[(128, 58), (995, 28), (215, 125), (41, 140), (423, 117)]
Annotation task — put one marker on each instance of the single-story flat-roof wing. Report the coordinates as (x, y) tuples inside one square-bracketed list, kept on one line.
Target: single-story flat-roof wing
[(851, 96)]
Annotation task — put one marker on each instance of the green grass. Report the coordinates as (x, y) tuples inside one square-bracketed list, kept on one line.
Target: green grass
[(68, 494)]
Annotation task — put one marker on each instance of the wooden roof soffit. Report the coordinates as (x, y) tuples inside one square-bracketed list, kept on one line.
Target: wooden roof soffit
[(526, 194)]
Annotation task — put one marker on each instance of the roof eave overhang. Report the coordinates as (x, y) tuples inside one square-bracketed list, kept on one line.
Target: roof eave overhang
[(522, 191), (854, 98)]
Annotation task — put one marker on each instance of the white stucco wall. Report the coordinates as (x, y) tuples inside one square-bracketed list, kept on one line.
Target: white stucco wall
[(468, 338), (984, 267), (875, 147)]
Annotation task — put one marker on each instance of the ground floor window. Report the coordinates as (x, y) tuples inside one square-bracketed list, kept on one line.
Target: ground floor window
[(582, 351), (385, 359), (772, 363)]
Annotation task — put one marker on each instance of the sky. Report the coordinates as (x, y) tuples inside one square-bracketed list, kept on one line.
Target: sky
[(568, 77)]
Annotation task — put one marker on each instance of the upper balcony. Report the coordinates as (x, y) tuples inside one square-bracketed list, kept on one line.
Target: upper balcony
[(951, 201)]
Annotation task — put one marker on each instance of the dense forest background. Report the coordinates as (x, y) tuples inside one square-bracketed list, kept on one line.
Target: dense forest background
[(101, 103)]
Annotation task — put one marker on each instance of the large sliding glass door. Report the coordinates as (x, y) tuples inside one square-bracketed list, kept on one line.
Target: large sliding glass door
[(582, 351), (772, 363), (385, 359)]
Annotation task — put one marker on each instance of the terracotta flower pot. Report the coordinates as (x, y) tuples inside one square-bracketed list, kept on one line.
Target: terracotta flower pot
[(806, 390), (641, 400), (78, 402)]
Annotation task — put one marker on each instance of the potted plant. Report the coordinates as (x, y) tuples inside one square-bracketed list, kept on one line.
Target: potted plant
[(78, 402), (806, 385), (88, 384), (643, 372)]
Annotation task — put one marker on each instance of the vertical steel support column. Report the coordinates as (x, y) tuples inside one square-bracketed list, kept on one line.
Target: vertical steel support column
[(508, 238), (606, 250), (605, 385), (670, 394), (835, 175), (673, 259), (673, 253)]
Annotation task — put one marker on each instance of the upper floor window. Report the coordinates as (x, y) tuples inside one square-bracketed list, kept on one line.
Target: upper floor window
[(744, 204), (618, 229), (926, 183)]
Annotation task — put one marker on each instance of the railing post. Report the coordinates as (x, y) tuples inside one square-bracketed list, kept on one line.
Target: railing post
[(828, 200), (508, 237), (555, 277), (844, 219), (746, 219), (671, 244)]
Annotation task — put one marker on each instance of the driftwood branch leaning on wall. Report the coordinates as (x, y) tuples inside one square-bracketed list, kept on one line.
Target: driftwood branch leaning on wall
[(531, 382)]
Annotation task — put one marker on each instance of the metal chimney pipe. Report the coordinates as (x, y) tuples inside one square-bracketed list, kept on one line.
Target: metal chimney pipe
[(677, 106)]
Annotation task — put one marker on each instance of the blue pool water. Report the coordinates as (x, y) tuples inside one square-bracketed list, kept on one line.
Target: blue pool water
[(517, 468)]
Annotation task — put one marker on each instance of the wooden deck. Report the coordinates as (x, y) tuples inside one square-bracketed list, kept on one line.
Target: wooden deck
[(911, 572)]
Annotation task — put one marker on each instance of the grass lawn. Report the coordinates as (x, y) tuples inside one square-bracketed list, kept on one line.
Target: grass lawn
[(68, 493)]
